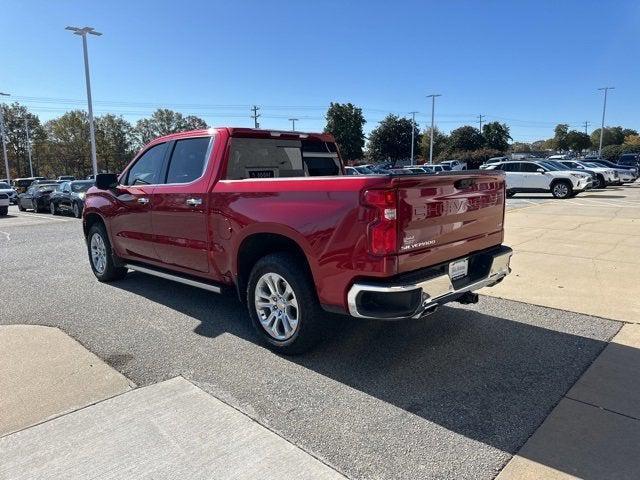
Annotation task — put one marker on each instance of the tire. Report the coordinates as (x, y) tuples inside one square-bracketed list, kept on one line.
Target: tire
[(284, 272), (562, 189), (53, 209), (77, 212), (602, 183), (4, 211), (102, 264), (36, 209), (20, 207), (510, 193)]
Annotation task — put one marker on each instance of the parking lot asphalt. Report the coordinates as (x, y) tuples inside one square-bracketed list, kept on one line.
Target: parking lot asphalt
[(451, 396)]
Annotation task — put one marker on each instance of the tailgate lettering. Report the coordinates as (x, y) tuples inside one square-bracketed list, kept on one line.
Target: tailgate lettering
[(454, 206)]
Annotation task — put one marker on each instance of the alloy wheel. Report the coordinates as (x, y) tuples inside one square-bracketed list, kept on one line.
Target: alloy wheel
[(98, 253), (276, 306), (561, 190)]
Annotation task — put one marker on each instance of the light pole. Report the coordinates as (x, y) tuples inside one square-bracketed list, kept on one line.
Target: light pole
[(293, 123), (26, 127), (604, 109), (413, 129), (83, 33), (433, 109), (4, 144)]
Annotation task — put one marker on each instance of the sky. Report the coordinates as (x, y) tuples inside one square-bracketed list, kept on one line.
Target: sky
[(530, 64)]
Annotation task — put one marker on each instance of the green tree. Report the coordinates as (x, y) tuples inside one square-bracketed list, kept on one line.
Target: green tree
[(465, 138), (628, 131), (68, 151), (496, 136), (16, 137), (612, 136), (392, 139), (560, 136), (164, 122), (577, 141), (346, 122), (114, 143), (440, 143)]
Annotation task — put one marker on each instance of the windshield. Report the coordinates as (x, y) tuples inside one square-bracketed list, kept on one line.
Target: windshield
[(47, 187), (4, 186), (363, 170), (78, 187), (553, 166), (591, 165)]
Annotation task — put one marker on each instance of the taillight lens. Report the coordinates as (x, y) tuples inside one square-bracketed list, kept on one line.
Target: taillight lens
[(382, 231)]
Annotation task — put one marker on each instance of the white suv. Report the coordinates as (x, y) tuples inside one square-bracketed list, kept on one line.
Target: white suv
[(536, 177), (454, 164)]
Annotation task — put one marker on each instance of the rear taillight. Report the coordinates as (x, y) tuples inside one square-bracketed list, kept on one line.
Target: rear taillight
[(382, 231)]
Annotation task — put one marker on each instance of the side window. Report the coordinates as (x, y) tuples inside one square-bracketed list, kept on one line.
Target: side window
[(529, 167), (188, 160), (511, 167), (148, 168)]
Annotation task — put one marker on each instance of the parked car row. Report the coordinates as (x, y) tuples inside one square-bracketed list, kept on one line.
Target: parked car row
[(55, 196), (562, 178)]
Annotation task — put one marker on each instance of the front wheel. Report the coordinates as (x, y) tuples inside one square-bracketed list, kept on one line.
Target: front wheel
[(101, 255), (562, 190), (283, 304), (76, 210), (53, 209), (4, 211)]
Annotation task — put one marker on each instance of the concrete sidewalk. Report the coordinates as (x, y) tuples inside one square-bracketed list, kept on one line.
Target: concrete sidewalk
[(45, 373), (170, 430), (577, 254), (594, 432)]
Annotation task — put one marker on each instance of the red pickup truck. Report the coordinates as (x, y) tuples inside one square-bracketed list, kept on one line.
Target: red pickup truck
[(272, 216)]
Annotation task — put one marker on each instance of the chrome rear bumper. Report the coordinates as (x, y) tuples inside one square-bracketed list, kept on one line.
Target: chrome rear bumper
[(435, 291)]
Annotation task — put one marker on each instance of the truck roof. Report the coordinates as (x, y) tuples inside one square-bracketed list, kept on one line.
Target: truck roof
[(249, 133)]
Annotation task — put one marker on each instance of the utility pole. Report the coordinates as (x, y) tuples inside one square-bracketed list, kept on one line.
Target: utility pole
[(433, 108), (4, 144), (586, 126), (293, 123), (480, 117), (83, 33), (26, 128), (604, 109), (255, 116), (413, 132)]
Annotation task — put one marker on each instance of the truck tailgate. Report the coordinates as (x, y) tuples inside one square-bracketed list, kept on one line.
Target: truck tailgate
[(442, 217)]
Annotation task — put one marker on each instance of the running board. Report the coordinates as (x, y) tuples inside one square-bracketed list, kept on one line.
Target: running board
[(175, 278)]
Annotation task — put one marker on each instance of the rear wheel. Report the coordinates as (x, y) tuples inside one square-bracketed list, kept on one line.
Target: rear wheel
[(562, 189), (20, 207), (602, 183), (101, 255), (283, 305), (76, 210), (4, 211)]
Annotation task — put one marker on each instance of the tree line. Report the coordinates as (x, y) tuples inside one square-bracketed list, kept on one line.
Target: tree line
[(391, 140), (61, 146)]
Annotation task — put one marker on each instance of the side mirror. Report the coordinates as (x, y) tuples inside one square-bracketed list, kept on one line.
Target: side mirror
[(106, 181), (540, 170)]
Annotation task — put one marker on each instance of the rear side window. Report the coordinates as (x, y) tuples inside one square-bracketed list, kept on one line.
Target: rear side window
[(188, 160), (511, 167), (273, 158), (148, 168)]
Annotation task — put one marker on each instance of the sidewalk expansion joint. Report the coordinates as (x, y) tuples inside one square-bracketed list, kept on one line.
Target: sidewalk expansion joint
[(601, 408)]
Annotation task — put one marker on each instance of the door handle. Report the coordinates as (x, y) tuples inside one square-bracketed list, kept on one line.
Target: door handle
[(194, 201), (143, 200)]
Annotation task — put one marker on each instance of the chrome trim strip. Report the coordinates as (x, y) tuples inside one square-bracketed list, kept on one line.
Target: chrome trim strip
[(433, 289), (175, 278)]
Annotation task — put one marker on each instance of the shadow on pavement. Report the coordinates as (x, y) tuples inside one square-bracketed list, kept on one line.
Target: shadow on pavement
[(491, 379)]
